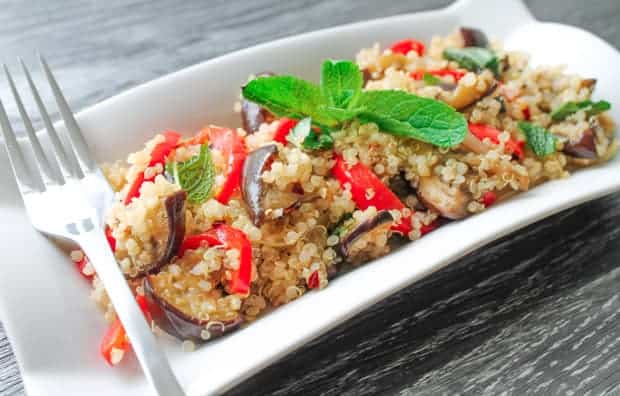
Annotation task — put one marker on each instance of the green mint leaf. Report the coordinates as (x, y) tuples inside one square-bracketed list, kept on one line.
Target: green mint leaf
[(429, 79), (302, 135), (473, 58), (341, 115), (541, 141), (569, 108), (196, 176), (403, 114), (288, 96), (341, 83)]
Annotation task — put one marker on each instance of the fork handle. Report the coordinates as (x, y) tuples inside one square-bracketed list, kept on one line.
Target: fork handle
[(153, 361)]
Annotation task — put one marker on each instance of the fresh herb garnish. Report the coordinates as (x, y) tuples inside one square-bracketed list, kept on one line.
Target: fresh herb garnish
[(407, 115), (340, 99), (429, 79), (473, 58), (541, 141), (569, 108), (302, 135), (195, 176)]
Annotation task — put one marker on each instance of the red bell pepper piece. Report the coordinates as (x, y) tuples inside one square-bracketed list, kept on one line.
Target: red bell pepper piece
[(456, 74), (81, 265), (482, 131), (110, 238), (407, 45), (488, 198), (284, 128), (158, 156), (115, 342), (313, 280), (230, 238), (361, 179), (232, 147)]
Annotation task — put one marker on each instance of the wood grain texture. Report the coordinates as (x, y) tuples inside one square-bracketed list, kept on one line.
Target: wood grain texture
[(534, 313)]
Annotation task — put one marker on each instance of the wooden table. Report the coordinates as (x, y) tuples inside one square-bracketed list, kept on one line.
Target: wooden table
[(536, 312)]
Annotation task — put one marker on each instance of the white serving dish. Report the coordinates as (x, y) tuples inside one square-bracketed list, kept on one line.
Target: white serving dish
[(55, 329)]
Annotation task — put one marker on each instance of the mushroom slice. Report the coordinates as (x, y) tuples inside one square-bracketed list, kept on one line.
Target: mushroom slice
[(252, 186), (450, 202)]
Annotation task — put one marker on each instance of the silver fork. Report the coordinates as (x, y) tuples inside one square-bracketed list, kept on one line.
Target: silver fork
[(66, 196)]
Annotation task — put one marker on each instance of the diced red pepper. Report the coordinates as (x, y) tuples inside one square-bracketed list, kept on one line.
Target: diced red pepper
[(230, 238), (232, 147), (368, 190), (158, 156), (110, 238), (482, 131), (313, 280), (456, 74), (526, 113), (115, 343), (284, 128), (425, 229), (489, 198), (86, 273), (407, 45)]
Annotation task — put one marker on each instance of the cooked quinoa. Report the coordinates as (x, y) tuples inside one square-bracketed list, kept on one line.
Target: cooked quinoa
[(311, 224)]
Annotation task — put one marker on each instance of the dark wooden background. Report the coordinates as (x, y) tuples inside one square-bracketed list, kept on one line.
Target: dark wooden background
[(535, 313)]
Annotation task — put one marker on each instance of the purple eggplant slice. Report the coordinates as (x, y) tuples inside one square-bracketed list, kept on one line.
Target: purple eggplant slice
[(166, 249), (584, 148), (474, 37), (253, 115), (450, 203), (180, 319), (382, 218), (252, 188)]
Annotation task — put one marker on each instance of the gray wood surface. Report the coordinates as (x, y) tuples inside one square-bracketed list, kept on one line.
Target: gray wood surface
[(534, 313)]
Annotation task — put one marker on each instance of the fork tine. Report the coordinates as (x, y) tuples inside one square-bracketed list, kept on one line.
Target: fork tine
[(50, 174), (75, 134), (65, 155), (23, 176)]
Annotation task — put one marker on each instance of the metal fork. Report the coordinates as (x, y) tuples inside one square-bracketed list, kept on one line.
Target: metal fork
[(66, 196)]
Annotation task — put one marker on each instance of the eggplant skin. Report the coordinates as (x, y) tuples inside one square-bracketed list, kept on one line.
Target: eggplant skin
[(177, 323), (381, 218), (175, 211), (252, 188), (253, 115), (474, 37), (585, 148)]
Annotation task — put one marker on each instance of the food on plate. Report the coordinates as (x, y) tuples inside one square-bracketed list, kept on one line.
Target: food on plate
[(214, 229)]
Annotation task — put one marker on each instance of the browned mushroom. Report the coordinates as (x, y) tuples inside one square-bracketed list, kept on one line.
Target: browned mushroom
[(449, 202)]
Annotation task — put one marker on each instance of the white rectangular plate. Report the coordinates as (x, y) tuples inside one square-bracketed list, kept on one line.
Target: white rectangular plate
[(54, 327)]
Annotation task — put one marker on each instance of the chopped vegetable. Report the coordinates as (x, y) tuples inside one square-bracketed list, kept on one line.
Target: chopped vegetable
[(284, 128), (489, 198), (361, 179), (195, 176), (474, 37), (115, 343), (584, 148), (252, 115), (423, 74), (541, 141), (473, 58), (512, 146), (158, 156), (303, 135), (569, 108), (230, 238), (407, 45), (110, 238), (313, 280), (232, 147), (382, 218), (450, 202), (252, 186)]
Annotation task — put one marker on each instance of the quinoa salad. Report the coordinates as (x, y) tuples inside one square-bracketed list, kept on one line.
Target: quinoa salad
[(215, 229)]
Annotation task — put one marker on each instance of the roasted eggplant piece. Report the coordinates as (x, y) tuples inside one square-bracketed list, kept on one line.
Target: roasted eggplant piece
[(450, 203), (252, 188), (181, 320), (474, 37), (584, 148), (253, 115), (164, 251), (382, 218)]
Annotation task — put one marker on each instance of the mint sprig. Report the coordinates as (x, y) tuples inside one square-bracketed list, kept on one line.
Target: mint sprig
[(195, 176), (340, 99), (473, 58), (570, 108), (303, 136), (541, 141)]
